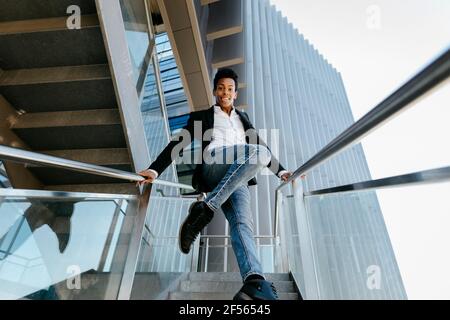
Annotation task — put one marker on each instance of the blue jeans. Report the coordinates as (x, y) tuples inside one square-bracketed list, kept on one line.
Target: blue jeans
[(229, 180)]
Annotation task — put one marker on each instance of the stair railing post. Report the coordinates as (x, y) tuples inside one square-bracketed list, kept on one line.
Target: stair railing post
[(206, 254), (281, 255), (126, 284), (306, 244)]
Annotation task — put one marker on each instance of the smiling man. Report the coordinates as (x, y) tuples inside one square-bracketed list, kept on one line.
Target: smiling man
[(229, 166)]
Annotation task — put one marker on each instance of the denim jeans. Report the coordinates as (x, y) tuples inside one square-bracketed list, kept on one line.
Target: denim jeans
[(229, 180)]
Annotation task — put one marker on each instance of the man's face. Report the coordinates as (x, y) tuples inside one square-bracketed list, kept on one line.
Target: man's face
[(225, 92)]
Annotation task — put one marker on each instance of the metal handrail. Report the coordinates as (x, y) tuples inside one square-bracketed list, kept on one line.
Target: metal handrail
[(224, 236), (438, 175), (29, 157), (424, 81), (39, 194)]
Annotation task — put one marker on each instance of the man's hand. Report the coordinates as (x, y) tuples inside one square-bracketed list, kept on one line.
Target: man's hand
[(149, 176), (286, 176)]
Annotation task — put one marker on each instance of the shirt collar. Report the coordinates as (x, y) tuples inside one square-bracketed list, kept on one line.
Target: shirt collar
[(218, 108)]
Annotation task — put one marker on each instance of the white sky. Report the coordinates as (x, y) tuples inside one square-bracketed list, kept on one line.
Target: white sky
[(377, 45)]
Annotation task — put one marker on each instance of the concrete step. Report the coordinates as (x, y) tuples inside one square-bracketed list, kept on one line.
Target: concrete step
[(49, 43), (44, 25), (38, 9), (219, 296), (109, 188), (101, 157), (65, 119), (84, 87), (117, 158), (228, 286), (232, 276), (56, 176), (90, 129)]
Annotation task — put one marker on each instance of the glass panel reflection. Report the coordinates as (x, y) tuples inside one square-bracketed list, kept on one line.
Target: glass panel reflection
[(137, 34), (175, 97), (62, 248), (4, 181), (350, 246), (159, 248)]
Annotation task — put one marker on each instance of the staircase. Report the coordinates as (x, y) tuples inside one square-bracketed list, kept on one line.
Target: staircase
[(57, 83), (224, 285)]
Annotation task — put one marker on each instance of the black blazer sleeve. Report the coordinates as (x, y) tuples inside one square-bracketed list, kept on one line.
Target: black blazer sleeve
[(164, 159), (274, 165)]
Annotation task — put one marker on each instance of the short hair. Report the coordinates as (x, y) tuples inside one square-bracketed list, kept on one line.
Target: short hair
[(226, 73)]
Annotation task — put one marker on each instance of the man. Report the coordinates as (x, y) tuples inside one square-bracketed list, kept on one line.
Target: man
[(228, 167)]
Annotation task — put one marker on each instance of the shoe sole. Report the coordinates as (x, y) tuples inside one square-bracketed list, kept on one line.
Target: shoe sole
[(242, 296), (181, 228)]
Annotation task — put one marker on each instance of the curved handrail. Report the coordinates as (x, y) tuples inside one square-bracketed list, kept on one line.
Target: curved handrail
[(24, 156)]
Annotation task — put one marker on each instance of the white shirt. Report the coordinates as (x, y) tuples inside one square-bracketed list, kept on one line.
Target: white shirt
[(228, 131)]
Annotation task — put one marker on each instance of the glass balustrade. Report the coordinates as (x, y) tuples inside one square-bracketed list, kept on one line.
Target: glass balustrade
[(367, 245), (216, 254), (57, 246)]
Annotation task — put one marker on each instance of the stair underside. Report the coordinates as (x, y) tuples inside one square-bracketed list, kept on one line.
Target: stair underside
[(59, 81)]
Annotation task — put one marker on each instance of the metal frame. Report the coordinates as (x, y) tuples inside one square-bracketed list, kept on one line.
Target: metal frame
[(126, 284), (117, 50), (274, 244)]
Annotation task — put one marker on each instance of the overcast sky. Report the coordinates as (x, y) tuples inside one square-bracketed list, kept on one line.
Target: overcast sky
[(377, 45)]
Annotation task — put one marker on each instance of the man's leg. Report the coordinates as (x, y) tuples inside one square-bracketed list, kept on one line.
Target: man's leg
[(244, 164), (248, 159), (238, 213)]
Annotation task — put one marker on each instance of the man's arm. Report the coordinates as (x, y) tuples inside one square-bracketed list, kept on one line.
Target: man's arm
[(164, 159), (274, 165)]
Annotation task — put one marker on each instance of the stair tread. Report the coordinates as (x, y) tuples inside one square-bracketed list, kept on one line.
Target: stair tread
[(32, 9), (228, 286), (61, 96), (52, 48), (58, 176), (219, 296), (68, 119), (108, 188), (233, 276), (103, 157)]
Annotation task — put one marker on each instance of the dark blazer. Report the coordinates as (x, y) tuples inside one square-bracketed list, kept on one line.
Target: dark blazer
[(206, 117)]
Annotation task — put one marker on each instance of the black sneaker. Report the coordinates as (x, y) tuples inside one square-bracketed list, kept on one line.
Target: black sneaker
[(199, 216), (257, 289)]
